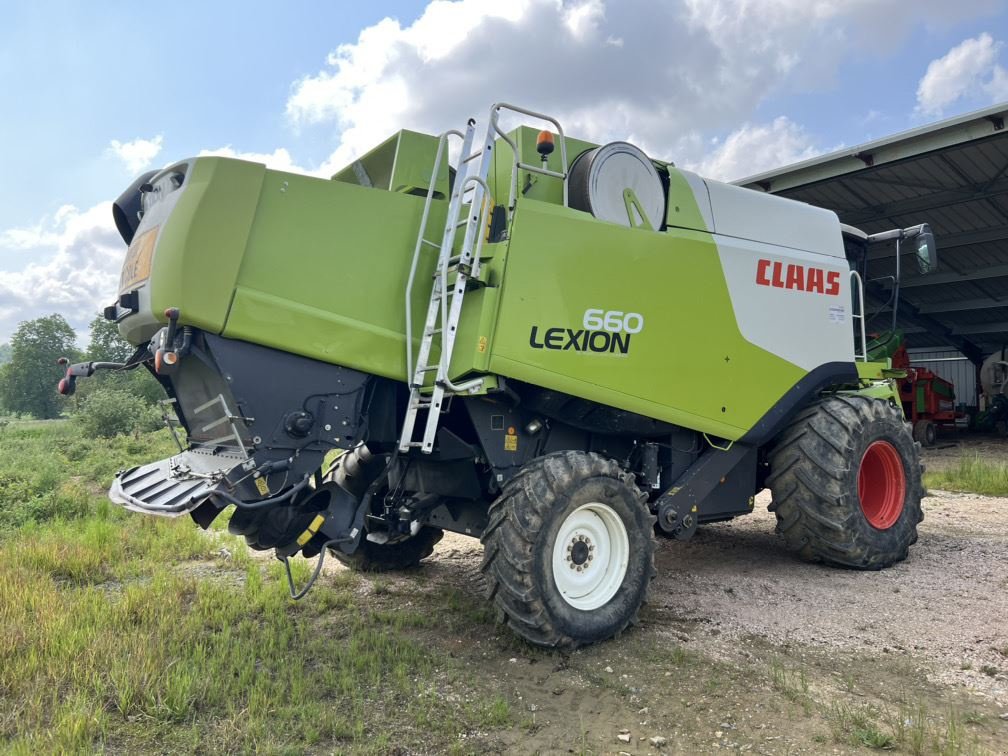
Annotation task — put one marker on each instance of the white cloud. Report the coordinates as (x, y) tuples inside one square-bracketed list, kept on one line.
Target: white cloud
[(753, 148), (969, 71), (138, 154), (656, 73), (77, 258)]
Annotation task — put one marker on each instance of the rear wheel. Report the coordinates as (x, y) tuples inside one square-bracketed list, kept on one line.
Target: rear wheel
[(846, 483), (388, 557), (925, 433), (569, 550)]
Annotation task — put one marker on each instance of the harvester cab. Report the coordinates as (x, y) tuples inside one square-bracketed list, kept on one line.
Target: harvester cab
[(879, 272), (559, 347)]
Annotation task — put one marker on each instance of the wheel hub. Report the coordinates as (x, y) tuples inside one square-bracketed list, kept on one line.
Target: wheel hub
[(590, 556), (580, 551), (881, 485)]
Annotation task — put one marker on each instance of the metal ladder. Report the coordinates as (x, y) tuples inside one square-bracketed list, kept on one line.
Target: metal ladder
[(445, 306)]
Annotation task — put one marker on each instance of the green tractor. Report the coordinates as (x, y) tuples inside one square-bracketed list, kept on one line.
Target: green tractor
[(557, 347)]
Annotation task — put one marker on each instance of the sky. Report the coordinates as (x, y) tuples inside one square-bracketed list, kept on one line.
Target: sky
[(96, 93)]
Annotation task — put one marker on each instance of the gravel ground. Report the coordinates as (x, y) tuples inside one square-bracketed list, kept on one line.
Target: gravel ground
[(945, 608)]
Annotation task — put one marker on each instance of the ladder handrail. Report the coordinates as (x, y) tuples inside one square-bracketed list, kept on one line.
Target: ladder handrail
[(518, 165), (860, 316), (448, 342), (421, 238)]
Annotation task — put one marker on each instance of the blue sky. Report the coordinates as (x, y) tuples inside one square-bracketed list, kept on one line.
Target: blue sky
[(96, 92)]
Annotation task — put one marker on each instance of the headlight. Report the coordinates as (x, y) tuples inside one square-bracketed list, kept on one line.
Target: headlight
[(160, 187)]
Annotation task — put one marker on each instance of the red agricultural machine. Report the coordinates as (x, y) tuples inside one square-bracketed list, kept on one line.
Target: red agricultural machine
[(928, 399)]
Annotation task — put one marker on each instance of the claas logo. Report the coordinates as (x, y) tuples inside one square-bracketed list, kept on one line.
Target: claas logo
[(800, 277)]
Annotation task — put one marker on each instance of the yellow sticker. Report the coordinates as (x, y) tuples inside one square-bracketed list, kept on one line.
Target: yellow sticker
[(262, 485), (510, 441), (482, 344), (137, 265)]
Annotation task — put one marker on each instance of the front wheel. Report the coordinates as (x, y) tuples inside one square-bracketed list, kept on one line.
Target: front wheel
[(569, 550), (846, 483)]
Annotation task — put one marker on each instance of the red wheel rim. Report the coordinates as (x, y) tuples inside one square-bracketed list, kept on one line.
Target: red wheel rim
[(881, 485)]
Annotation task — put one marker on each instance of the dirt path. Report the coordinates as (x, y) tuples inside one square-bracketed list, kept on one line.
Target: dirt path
[(743, 648)]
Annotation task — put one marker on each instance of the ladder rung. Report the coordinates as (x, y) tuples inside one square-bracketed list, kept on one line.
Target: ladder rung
[(473, 156), (430, 243)]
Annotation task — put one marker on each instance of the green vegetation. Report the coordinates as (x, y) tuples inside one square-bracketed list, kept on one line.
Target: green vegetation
[(138, 634), (911, 729), (28, 380), (112, 411), (972, 474)]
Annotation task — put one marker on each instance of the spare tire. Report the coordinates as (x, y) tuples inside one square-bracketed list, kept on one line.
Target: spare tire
[(600, 177)]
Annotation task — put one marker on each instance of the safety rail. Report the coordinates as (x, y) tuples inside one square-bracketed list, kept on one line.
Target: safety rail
[(518, 164), (422, 238), (858, 286)]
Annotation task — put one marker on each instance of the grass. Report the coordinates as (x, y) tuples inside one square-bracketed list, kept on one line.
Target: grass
[(911, 729), (971, 474), (792, 684), (130, 633)]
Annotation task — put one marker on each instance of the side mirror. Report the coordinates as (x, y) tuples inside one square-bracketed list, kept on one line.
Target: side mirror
[(925, 250)]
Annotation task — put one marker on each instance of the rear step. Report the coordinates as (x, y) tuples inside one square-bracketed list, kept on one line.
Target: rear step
[(174, 486)]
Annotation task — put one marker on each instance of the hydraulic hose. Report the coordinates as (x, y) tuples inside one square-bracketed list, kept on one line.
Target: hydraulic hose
[(264, 502)]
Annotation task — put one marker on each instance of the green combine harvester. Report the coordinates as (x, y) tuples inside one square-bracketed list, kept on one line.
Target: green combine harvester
[(557, 347)]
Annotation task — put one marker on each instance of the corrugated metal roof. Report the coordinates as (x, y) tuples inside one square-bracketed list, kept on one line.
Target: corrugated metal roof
[(952, 175)]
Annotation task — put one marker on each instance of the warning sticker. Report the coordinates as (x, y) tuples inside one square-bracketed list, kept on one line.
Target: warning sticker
[(511, 440), (837, 313)]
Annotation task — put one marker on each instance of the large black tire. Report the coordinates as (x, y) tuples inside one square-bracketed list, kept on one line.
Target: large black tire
[(388, 557), (355, 471), (924, 433), (846, 483), (538, 512)]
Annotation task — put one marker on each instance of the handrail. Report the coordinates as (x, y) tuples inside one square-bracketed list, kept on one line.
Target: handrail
[(860, 315), (518, 165), (442, 141), (447, 346)]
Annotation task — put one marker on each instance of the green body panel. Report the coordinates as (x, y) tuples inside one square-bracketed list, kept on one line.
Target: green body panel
[(531, 185), (885, 390), (201, 247), (688, 365), (307, 265), (325, 272), (682, 210), (402, 163), (319, 268)]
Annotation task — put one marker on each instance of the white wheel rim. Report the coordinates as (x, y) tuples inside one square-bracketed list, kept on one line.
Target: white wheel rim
[(590, 556)]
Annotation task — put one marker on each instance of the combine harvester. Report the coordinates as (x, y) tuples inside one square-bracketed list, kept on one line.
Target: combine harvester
[(557, 347)]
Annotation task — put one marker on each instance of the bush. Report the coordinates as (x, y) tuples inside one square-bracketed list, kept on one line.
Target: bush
[(107, 412)]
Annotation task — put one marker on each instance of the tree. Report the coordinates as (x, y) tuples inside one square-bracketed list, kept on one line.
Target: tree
[(5, 351), (106, 343), (28, 381)]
